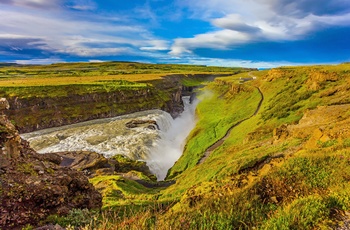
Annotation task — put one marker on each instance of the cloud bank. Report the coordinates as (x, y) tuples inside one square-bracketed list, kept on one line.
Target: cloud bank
[(267, 32), (241, 22)]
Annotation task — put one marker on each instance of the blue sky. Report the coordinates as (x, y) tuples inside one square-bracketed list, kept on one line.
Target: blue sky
[(250, 33)]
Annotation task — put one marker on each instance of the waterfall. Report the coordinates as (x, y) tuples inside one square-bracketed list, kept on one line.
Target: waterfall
[(168, 148), (158, 148)]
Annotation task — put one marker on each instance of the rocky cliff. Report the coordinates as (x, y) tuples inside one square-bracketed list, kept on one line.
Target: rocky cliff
[(34, 186), (47, 112)]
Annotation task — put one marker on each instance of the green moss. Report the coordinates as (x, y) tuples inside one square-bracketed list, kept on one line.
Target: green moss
[(326, 144), (139, 168), (50, 171), (76, 218), (346, 143), (27, 168), (28, 227), (120, 191)]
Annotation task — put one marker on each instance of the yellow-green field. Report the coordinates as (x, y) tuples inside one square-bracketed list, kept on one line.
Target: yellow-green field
[(69, 80), (93, 73)]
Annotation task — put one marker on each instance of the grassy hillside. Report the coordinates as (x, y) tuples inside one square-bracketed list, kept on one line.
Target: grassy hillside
[(284, 166)]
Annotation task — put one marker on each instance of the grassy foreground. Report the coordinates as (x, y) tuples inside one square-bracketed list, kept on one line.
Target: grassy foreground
[(286, 167)]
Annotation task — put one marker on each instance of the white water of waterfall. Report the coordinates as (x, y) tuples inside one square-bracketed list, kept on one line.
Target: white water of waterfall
[(158, 148), (169, 147)]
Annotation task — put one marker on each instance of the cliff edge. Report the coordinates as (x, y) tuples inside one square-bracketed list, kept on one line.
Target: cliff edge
[(34, 186)]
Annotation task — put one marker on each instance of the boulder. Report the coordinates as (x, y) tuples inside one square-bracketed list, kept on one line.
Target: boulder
[(150, 124), (4, 104), (90, 163), (34, 186)]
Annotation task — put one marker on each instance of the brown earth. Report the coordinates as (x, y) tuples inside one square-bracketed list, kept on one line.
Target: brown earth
[(318, 126)]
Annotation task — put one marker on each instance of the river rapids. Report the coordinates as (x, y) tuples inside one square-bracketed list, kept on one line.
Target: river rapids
[(159, 148)]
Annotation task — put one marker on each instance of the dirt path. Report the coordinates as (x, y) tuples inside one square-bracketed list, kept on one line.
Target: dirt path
[(218, 143)]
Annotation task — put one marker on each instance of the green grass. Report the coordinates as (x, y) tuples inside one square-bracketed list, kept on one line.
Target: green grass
[(62, 79), (119, 191), (67, 90), (219, 109), (303, 213), (106, 69), (237, 187), (87, 73)]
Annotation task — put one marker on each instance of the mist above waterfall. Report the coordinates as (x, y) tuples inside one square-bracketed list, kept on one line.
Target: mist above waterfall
[(158, 148), (169, 147)]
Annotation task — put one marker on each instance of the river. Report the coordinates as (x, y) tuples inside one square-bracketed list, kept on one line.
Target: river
[(159, 148)]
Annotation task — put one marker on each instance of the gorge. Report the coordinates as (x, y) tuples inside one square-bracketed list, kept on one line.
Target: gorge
[(280, 158), (159, 146)]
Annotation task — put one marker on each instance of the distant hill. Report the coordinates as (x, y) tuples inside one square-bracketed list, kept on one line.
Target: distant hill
[(2, 64)]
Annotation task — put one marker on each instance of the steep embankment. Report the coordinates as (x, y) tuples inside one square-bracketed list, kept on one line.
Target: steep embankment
[(285, 167), (74, 106), (223, 106), (219, 142)]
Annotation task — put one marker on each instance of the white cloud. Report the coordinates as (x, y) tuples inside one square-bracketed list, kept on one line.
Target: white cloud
[(156, 45), (222, 39), (96, 52), (75, 34), (195, 60), (83, 5), (33, 3), (96, 61), (240, 22), (39, 61)]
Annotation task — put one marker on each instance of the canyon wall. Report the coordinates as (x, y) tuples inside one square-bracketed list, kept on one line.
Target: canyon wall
[(35, 113)]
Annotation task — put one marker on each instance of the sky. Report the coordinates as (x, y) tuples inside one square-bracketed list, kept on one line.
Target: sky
[(248, 33)]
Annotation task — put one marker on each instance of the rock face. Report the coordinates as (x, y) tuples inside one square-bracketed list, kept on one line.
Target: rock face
[(34, 186), (47, 112), (73, 108)]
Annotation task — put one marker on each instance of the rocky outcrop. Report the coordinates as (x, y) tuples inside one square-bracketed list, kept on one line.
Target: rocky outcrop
[(94, 164), (316, 78), (320, 126), (150, 124), (34, 186)]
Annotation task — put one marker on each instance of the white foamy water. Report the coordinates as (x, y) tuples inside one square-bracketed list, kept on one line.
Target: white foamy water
[(158, 148)]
